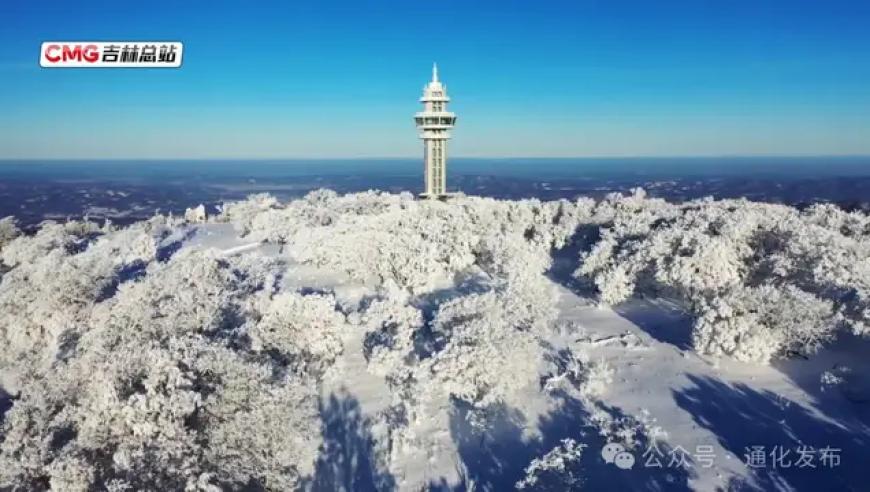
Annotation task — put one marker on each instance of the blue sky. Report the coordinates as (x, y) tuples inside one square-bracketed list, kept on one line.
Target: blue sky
[(527, 78)]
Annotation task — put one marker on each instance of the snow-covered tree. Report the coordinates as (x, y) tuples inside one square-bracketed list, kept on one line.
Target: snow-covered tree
[(157, 391), (490, 352), (302, 331), (8, 230), (736, 265)]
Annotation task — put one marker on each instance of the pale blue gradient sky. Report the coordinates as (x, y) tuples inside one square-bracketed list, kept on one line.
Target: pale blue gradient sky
[(341, 79)]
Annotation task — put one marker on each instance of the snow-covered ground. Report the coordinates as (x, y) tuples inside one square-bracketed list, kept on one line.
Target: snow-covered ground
[(375, 342)]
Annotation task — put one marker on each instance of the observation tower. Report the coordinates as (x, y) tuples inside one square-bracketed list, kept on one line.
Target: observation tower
[(434, 123)]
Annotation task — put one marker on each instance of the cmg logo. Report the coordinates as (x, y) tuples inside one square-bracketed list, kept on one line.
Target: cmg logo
[(55, 53), (106, 54)]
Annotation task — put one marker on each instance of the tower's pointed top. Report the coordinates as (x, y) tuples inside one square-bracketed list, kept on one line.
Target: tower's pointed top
[(434, 72)]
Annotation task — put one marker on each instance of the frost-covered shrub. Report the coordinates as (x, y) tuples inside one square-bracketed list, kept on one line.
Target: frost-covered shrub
[(575, 374), (8, 230), (759, 323), (490, 351), (632, 431), (47, 298), (152, 417), (68, 238), (159, 391), (391, 326), (762, 280), (194, 292), (420, 245), (262, 217), (416, 249), (556, 470), (303, 331), (240, 213)]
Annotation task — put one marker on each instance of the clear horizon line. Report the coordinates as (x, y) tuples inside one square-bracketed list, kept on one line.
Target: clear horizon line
[(327, 158)]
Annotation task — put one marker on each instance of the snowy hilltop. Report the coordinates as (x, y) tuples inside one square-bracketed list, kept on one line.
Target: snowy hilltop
[(374, 341)]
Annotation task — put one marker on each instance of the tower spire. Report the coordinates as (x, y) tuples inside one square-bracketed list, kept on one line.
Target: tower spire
[(434, 72)]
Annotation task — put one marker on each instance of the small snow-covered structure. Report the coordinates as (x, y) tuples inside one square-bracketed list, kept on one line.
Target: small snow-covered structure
[(196, 215)]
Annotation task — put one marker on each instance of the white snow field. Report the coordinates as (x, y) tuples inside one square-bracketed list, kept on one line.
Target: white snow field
[(373, 341)]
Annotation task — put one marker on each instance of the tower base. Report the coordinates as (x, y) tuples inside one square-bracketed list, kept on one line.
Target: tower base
[(436, 196)]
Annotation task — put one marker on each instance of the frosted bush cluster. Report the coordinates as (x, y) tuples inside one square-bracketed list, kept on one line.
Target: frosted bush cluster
[(56, 277), (141, 366), (391, 326), (234, 393), (630, 431), (489, 351), (577, 375), (8, 230), (242, 213), (380, 237), (761, 280), (304, 330), (480, 343), (553, 471), (147, 375)]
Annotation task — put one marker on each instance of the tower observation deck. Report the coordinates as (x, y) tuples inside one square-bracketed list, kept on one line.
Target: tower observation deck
[(434, 123)]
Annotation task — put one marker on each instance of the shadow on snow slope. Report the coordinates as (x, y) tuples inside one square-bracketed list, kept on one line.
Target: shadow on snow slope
[(662, 320), (496, 460), (742, 417), (347, 458), (5, 404), (846, 399)]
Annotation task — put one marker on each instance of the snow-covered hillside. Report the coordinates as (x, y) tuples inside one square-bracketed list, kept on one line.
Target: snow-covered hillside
[(377, 342)]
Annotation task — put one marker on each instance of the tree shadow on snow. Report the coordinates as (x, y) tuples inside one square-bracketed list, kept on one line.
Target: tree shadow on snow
[(127, 273), (425, 340), (347, 458), (660, 319), (166, 250), (465, 284), (847, 397), (743, 418), (496, 459), (566, 260), (6, 402), (137, 269)]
